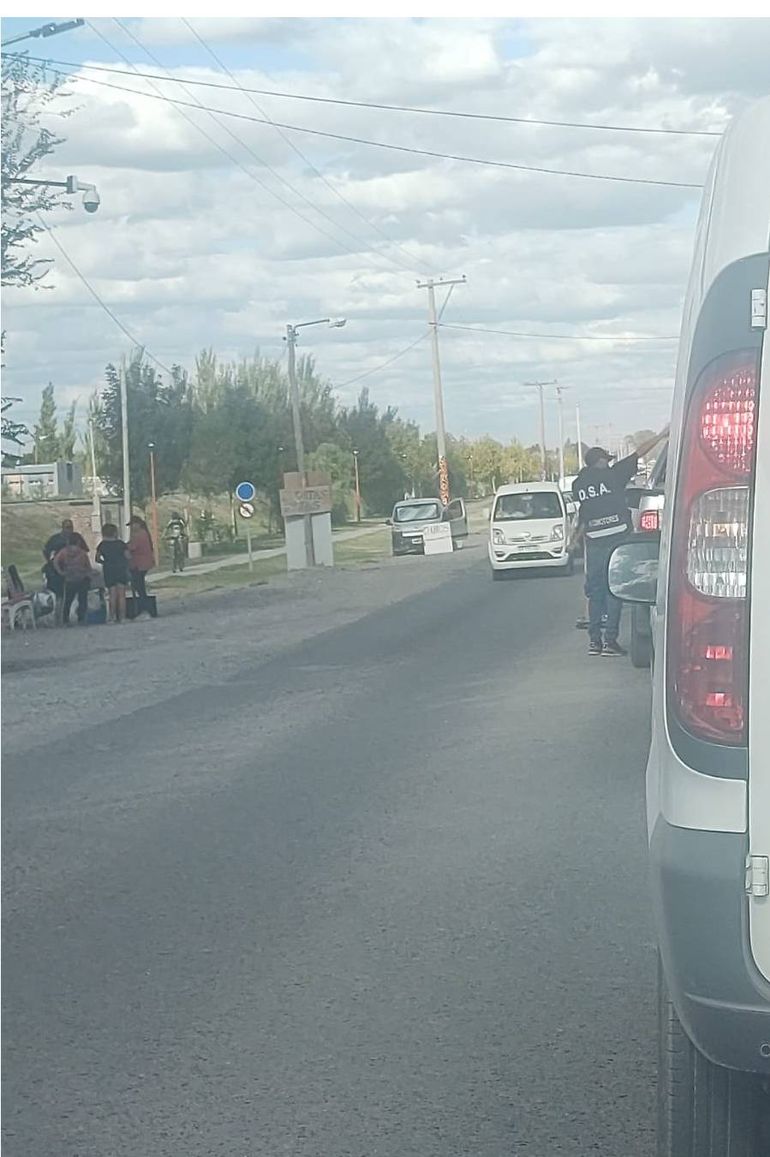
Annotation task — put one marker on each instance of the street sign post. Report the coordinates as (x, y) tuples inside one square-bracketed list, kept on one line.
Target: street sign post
[(245, 493)]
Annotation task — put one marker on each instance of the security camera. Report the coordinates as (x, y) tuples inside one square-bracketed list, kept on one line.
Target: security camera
[(91, 200)]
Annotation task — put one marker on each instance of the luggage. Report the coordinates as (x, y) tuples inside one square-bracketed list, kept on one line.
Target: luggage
[(136, 606)]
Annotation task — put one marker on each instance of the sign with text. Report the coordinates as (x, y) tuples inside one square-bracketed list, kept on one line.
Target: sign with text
[(437, 539), (306, 500)]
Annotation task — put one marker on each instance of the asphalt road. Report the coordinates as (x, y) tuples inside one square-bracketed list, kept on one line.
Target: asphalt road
[(382, 894)]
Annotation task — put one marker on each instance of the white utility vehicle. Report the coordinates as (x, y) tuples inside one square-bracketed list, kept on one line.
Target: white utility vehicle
[(708, 776), (530, 527)]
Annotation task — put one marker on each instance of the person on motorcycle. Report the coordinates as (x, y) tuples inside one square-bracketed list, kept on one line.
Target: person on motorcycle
[(176, 535)]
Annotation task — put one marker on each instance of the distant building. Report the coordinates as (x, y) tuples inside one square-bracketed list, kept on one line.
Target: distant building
[(45, 480)]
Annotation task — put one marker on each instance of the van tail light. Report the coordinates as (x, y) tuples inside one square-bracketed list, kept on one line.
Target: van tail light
[(650, 520), (707, 658)]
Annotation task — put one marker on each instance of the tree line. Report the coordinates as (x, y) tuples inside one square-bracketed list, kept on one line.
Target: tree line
[(231, 420)]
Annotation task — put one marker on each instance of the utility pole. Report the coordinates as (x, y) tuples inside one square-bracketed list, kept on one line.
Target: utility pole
[(560, 403), (579, 439), (540, 386), (299, 444), (124, 436), (153, 492), (438, 396), (358, 487), (96, 513)]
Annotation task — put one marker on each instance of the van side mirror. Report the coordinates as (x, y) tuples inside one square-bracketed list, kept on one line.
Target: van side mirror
[(633, 570)]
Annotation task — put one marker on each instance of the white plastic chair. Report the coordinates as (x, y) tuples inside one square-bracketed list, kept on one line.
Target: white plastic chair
[(19, 611)]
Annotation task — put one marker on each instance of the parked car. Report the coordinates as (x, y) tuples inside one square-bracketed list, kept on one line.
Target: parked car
[(647, 519), (411, 517), (530, 527), (708, 775)]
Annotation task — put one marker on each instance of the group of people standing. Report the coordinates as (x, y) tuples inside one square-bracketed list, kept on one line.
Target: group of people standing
[(69, 573)]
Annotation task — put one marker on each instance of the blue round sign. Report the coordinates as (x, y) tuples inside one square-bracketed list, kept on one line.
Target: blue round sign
[(245, 491)]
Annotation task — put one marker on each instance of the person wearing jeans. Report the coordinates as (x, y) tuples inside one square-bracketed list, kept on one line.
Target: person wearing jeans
[(603, 522), (601, 601)]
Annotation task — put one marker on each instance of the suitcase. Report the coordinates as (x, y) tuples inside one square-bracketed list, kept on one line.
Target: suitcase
[(137, 606)]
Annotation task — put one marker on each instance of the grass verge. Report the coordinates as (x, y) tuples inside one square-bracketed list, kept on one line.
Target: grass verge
[(371, 548)]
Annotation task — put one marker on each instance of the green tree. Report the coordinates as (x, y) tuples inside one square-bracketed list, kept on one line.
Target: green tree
[(157, 412), (69, 434), (488, 461), (13, 434), (28, 94), (337, 462), (46, 435), (383, 477)]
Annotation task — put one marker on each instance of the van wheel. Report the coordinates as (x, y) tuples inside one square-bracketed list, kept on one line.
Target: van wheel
[(569, 569), (704, 1110), (641, 644)]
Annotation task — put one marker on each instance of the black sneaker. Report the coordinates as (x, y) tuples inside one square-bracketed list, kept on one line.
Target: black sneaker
[(614, 650), (595, 649)]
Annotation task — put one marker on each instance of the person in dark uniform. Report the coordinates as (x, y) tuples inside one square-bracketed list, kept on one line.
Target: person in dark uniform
[(603, 522)]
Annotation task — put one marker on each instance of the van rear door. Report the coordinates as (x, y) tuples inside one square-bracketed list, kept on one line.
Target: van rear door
[(759, 673)]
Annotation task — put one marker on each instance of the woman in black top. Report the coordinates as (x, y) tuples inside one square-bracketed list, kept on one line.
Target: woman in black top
[(112, 553)]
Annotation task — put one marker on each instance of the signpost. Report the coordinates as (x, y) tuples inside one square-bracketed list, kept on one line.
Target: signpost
[(306, 500), (437, 539), (245, 492)]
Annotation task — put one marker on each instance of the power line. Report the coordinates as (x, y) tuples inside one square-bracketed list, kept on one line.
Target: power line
[(99, 300), (441, 112), (558, 336), (383, 365), (250, 151), (303, 156), (516, 166)]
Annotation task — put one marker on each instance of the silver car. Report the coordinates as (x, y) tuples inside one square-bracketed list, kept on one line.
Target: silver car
[(412, 516)]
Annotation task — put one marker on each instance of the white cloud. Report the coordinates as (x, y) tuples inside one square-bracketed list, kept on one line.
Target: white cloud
[(191, 251)]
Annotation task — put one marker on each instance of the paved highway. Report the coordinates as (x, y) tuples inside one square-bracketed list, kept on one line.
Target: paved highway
[(380, 892)]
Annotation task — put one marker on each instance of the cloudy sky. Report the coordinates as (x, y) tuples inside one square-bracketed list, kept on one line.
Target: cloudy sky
[(216, 231)]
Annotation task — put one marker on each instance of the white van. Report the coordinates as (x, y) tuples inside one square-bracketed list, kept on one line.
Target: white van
[(708, 775), (529, 526)]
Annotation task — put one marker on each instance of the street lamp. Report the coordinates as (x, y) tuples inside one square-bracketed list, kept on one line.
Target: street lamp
[(358, 487), (296, 416), (91, 198), (46, 30), (153, 492)]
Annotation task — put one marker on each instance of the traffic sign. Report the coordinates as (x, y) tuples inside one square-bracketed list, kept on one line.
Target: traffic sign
[(246, 510), (245, 492)]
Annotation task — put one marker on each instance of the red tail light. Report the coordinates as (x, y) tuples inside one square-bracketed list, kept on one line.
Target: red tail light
[(650, 520), (707, 671)]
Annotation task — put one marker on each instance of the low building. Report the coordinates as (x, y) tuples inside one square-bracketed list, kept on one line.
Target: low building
[(44, 480)]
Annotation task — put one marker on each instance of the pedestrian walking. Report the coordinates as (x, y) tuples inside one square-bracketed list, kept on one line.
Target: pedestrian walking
[(73, 565), (112, 553), (141, 557), (603, 521), (53, 580)]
